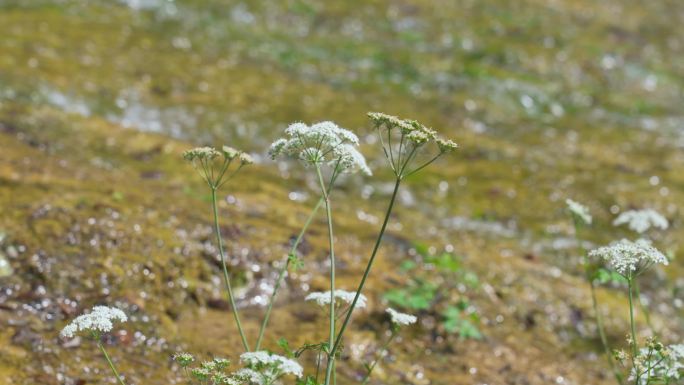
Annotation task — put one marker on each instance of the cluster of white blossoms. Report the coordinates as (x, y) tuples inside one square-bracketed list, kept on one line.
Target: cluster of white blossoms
[(399, 318), (579, 211), (667, 364), (271, 365), (629, 258), (323, 142), (323, 298), (207, 154), (99, 320), (641, 220)]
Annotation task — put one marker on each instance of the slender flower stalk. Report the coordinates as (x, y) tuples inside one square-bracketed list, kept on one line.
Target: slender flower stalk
[(366, 272), (111, 364), (331, 240), (633, 340), (631, 259), (380, 354), (281, 274), (226, 275), (213, 165), (581, 216), (99, 320), (397, 320), (415, 151)]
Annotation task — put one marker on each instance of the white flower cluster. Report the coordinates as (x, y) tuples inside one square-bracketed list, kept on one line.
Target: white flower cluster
[(272, 365), (246, 376), (207, 154), (641, 220), (399, 318), (323, 142), (667, 364), (629, 258), (323, 298), (100, 320), (579, 211), (415, 132)]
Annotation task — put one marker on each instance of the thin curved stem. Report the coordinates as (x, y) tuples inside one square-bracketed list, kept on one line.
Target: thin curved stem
[(226, 277), (594, 303), (644, 309), (111, 364), (380, 354), (331, 336), (283, 270), (376, 247), (633, 330)]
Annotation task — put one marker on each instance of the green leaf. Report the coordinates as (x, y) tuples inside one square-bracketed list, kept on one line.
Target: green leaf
[(408, 265), (445, 262), (604, 276), (282, 342), (454, 323)]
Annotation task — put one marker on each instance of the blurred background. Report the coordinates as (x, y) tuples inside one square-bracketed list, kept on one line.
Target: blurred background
[(548, 99)]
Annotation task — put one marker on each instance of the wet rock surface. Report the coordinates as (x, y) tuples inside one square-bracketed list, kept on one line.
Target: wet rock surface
[(547, 101)]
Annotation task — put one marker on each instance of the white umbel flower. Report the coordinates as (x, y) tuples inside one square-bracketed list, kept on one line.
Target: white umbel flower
[(276, 365), (629, 258), (323, 142), (641, 220), (323, 298), (667, 365), (99, 320), (400, 319), (579, 211)]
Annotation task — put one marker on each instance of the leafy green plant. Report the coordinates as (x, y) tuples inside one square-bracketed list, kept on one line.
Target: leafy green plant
[(422, 294)]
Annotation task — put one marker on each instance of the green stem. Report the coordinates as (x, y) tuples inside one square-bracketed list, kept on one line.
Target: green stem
[(226, 277), (111, 364), (380, 353), (331, 336), (644, 310), (364, 278), (633, 330), (283, 270), (594, 303)]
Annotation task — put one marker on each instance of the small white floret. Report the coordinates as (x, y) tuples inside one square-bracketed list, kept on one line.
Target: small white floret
[(99, 320), (399, 318), (323, 298), (579, 211), (641, 220)]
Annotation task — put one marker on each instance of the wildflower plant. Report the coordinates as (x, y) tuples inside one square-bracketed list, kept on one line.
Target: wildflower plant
[(397, 321), (628, 260), (641, 221), (329, 151), (581, 217), (94, 324), (217, 167)]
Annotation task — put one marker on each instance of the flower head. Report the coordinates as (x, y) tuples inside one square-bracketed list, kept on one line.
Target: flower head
[(99, 320), (271, 365), (667, 363), (641, 220), (323, 298), (579, 211), (183, 359), (630, 258), (399, 318), (323, 142), (201, 153), (446, 145), (213, 164), (414, 145)]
